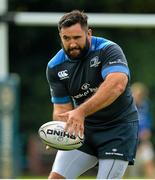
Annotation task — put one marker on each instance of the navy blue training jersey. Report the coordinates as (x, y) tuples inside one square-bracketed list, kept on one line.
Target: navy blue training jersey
[(76, 80)]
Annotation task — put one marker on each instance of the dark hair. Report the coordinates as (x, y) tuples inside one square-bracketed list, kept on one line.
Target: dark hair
[(72, 18)]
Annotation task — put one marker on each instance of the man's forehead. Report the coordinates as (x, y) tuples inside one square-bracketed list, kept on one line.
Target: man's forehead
[(74, 29)]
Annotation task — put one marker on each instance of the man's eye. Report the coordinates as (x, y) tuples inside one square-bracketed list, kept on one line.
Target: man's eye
[(66, 38), (77, 37)]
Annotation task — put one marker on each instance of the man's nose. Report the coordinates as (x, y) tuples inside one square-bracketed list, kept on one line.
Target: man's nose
[(73, 44)]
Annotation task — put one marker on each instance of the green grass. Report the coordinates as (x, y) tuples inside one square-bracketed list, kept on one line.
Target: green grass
[(81, 177), (45, 177)]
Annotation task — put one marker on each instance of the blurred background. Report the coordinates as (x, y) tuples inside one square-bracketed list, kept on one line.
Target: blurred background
[(24, 92)]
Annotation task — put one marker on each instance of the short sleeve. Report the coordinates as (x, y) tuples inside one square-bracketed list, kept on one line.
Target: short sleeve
[(114, 61), (58, 91)]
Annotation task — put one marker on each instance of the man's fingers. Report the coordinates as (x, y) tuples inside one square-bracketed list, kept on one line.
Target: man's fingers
[(47, 147), (63, 117), (68, 125), (74, 129)]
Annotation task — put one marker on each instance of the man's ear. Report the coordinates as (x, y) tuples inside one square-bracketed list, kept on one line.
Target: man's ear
[(60, 34), (89, 32)]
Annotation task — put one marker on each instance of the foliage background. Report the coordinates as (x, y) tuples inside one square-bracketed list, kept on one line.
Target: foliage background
[(30, 49)]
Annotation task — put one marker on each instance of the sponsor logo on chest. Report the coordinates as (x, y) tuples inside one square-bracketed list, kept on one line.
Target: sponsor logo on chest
[(85, 86), (86, 91)]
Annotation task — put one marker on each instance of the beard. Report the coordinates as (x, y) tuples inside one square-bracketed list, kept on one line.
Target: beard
[(82, 51)]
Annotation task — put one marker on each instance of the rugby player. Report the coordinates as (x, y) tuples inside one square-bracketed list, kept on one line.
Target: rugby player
[(89, 83)]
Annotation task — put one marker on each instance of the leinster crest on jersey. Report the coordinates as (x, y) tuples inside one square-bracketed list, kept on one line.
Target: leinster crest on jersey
[(94, 62)]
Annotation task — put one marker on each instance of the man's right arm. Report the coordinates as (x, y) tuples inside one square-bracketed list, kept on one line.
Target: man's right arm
[(61, 108), (58, 109)]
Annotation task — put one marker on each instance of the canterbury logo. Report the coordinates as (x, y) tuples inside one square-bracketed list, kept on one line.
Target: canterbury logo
[(63, 74)]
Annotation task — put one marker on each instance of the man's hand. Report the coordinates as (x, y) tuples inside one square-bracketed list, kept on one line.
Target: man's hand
[(74, 121), (47, 147)]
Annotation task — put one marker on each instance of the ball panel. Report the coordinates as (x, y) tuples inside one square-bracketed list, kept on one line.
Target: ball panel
[(63, 147), (52, 133)]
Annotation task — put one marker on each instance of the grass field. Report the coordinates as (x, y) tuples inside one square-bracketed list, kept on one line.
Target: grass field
[(44, 177), (81, 177)]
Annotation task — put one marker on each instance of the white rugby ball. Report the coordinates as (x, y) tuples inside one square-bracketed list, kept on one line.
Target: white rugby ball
[(52, 134)]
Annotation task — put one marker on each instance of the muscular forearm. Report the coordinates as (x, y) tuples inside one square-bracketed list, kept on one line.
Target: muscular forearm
[(106, 94), (61, 108)]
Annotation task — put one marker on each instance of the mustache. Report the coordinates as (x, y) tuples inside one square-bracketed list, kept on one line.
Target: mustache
[(76, 48)]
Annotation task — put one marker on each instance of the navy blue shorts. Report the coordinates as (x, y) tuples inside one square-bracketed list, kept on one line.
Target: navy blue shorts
[(118, 141)]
